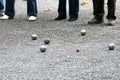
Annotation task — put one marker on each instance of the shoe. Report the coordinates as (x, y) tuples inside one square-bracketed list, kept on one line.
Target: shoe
[(95, 21), (5, 17), (110, 22), (60, 18), (32, 18), (73, 19)]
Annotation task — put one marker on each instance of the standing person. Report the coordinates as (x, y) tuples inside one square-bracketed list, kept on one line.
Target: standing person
[(1, 8), (98, 12), (10, 10), (73, 10)]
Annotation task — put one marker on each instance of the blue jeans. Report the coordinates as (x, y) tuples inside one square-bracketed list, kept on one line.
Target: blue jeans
[(31, 8), (1, 6)]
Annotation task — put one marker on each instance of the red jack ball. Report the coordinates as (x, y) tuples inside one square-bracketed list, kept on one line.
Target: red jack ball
[(77, 50)]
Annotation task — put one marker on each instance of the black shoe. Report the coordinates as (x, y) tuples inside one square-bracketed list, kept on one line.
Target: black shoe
[(95, 21), (73, 19), (60, 18)]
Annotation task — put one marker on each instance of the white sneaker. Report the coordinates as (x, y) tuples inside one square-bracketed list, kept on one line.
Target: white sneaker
[(5, 17), (111, 22), (32, 18)]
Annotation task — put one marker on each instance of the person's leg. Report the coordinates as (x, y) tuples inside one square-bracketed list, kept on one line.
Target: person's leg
[(98, 12), (73, 8), (98, 8), (31, 8), (1, 6), (61, 10), (111, 12), (10, 10), (111, 9)]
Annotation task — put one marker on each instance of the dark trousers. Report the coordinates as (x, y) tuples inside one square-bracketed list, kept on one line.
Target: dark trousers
[(1, 6), (31, 8), (98, 9), (73, 8)]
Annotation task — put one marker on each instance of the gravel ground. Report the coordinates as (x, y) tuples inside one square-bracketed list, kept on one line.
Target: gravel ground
[(21, 59)]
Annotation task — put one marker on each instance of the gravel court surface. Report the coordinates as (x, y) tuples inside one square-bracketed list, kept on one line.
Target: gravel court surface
[(21, 59)]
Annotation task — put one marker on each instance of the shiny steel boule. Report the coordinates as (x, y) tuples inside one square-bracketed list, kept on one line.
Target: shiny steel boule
[(43, 48), (47, 41), (83, 32), (111, 46), (34, 37)]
